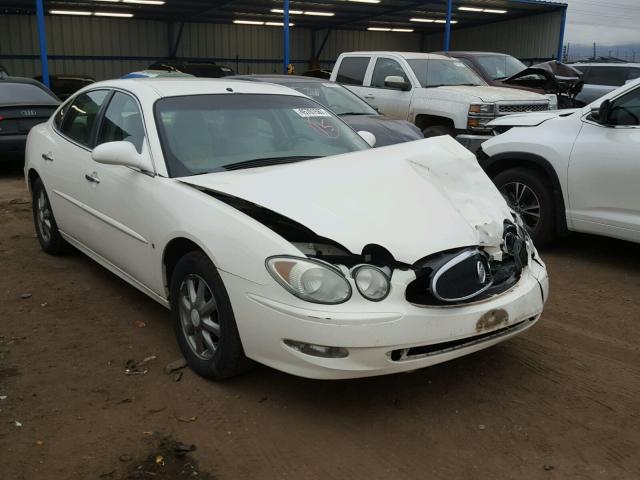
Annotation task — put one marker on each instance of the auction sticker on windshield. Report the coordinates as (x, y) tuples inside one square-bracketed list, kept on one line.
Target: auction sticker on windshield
[(311, 112)]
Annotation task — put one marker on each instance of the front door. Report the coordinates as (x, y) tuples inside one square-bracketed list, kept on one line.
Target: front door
[(604, 172), (392, 102)]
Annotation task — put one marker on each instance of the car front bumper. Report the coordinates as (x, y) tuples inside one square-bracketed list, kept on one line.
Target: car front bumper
[(372, 335), (472, 142)]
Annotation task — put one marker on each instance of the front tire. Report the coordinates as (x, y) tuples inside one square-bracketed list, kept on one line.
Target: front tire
[(203, 319), (438, 130), (44, 221), (531, 196)]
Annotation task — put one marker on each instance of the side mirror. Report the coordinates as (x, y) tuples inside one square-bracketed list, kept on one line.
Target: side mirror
[(368, 137), (120, 153), (601, 113), (396, 81)]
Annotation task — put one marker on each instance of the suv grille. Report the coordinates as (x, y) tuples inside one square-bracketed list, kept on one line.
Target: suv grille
[(522, 108)]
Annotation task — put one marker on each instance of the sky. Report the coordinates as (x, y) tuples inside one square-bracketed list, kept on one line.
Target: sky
[(607, 22)]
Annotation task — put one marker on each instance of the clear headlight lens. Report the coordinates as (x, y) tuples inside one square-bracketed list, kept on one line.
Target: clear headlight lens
[(310, 280), (372, 283)]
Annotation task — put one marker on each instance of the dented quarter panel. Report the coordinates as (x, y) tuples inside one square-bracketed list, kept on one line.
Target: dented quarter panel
[(413, 199)]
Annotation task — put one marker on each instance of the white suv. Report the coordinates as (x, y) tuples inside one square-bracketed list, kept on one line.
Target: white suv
[(573, 170), (441, 95)]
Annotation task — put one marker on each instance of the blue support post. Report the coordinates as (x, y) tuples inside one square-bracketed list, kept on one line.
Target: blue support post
[(447, 26), (286, 37), (563, 21), (42, 38)]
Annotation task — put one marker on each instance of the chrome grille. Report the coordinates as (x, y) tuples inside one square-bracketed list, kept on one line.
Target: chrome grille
[(522, 108)]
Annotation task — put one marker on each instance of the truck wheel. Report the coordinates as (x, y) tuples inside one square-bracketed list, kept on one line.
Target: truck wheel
[(437, 131), (531, 196)]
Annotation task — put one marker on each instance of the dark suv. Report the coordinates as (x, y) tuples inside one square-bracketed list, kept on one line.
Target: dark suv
[(602, 78)]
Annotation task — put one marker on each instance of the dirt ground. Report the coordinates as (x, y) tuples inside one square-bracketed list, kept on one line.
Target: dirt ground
[(560, 402)]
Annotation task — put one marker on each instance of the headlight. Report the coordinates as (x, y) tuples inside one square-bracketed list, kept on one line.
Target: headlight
[(310, 280), (484, 108), (372, 283)]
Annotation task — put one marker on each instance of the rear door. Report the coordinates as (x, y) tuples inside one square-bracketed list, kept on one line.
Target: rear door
[(393, 102), (66, 161), (604, 172)]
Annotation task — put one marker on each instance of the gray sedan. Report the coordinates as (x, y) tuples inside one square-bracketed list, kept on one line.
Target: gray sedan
[(354, 111)]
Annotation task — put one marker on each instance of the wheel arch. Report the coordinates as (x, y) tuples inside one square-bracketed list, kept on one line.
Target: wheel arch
[(504, 161), (424, 120), (32, 176), (173, 251)]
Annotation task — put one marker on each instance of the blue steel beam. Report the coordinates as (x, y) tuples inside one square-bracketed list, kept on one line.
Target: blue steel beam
[(285, 61), (563, 21), (447, 26), (42, 39)]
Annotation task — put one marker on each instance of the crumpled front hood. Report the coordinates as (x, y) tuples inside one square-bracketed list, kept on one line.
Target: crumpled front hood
[(532, 119), (387, 130), (413, 199)]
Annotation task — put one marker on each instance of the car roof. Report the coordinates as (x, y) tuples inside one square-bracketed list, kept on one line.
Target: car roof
[(29, 81), (275, 78), (475, 54), (174, 87), (406, 55)]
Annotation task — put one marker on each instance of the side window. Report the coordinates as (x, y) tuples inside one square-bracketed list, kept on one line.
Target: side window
[(352, 70), (122, 121), (57, 120), (625, 110), (386, 67), (612, 76), (80, 119)]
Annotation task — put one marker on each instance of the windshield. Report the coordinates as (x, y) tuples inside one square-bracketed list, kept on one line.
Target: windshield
[(500, 66), (210, 133), (440, 72), (335, 97)]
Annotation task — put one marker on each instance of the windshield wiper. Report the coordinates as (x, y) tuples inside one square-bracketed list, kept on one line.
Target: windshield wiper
[(266, 161), (354, 113)]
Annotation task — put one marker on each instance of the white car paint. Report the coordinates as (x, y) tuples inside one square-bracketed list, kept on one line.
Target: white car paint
[(449, 102), (414, 199), (596, 165)]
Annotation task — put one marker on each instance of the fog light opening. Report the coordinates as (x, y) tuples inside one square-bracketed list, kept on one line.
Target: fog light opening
[(317, 350)]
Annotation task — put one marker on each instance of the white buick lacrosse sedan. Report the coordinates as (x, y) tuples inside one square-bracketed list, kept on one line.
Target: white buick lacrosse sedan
[(274, 233)]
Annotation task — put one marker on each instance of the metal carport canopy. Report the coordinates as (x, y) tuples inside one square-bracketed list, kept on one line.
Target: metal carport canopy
[(380, 15)]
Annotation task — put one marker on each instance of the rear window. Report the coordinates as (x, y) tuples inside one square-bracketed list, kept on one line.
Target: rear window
[(352, 70), (612, 76), (24, 93)]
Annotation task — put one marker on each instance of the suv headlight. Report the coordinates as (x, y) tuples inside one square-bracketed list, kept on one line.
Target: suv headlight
[(310, 280), (483, 108)]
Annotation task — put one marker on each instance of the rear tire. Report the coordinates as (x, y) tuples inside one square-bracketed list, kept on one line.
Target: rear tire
[(530, 195), (203, 319), (44, 221), (438, 130)]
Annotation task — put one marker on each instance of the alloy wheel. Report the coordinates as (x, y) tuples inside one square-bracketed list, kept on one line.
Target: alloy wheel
[(523, 200), (44, 216), (199, 317)]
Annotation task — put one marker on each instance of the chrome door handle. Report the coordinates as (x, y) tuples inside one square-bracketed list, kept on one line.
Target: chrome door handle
[(48, 157), (93, 178), (369, 97)]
